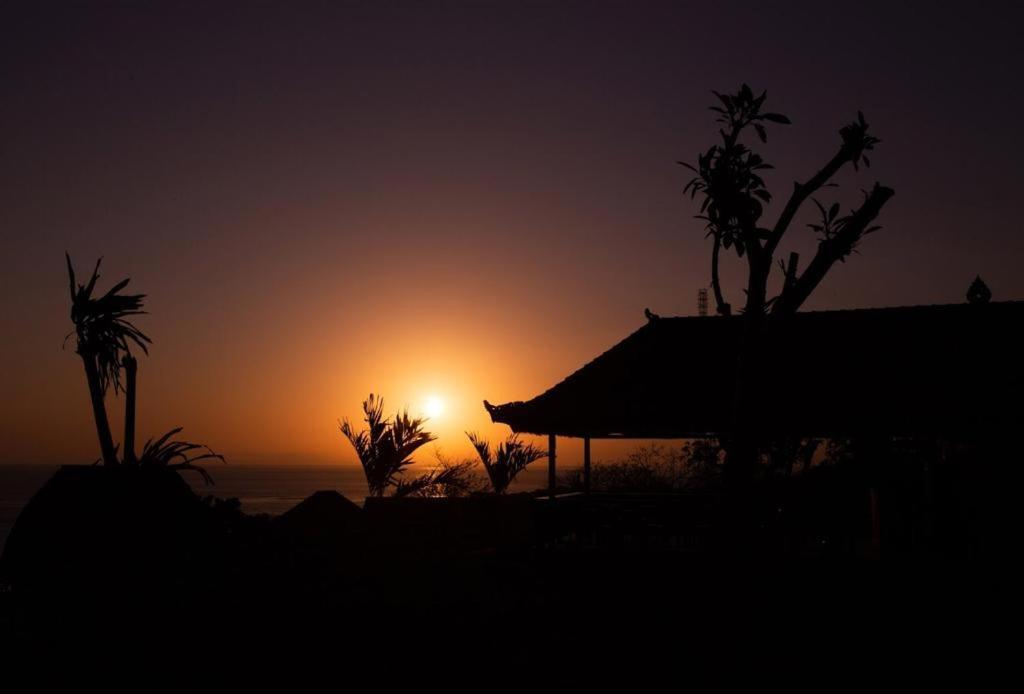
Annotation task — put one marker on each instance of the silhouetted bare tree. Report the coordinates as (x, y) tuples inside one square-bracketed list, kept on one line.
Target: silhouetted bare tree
[(728, 176), (507, 460), (103, 335), (386, 446)]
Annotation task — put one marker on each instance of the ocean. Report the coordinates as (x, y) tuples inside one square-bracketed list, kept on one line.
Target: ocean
[(261, 489)]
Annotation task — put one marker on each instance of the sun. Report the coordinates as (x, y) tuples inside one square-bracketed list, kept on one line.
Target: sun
[(433, 406)]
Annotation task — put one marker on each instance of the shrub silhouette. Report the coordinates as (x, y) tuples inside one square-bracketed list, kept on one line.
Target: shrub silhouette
[(177, 455), (449, 479), (508, 460), (696, 466), (386, 446)]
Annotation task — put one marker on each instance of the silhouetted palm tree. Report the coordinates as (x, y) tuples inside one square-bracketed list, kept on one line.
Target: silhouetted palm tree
[(385, 448), (507, 461), (103, 336), (131, 366)]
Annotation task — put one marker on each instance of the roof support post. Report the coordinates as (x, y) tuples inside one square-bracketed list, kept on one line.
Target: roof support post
[(586, 464), (551, 464)]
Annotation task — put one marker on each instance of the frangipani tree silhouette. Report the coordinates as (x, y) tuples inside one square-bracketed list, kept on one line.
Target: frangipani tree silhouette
[(734, 198), (728, 177), (103, 338), (386, 446), (509, 459)]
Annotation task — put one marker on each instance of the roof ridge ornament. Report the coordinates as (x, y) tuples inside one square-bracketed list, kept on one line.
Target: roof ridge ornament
[(978, 292)]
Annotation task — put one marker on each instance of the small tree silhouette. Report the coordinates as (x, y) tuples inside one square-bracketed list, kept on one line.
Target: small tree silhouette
[(103, 335), (508, 460), (103, 338), (385, 447), (728, 176)]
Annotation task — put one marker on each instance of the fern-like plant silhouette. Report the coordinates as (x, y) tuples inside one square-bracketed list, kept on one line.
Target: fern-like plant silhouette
[(386, 445), (509, 459), (177, 455)]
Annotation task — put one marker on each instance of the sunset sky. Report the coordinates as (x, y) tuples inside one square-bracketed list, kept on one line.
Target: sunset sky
[(457, 200)]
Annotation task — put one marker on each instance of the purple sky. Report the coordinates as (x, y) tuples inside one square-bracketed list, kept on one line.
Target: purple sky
[(469, 199)]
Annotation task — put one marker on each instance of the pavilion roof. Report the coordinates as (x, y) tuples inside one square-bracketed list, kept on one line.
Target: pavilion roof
[(896, 371)]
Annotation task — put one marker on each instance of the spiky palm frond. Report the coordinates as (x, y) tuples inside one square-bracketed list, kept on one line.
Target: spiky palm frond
[(102, 329), (508, 459), (448, 479), (386, 446), (416, 486), (457, 478), (177, 455)]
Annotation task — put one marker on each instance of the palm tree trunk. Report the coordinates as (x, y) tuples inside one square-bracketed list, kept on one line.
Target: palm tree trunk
[(131, 366), (99, 411)]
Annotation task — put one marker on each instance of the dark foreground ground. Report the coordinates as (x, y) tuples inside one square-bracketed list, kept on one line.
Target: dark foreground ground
[(144, 564)]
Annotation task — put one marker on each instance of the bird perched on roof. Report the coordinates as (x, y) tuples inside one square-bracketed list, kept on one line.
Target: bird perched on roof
[(651, 316)]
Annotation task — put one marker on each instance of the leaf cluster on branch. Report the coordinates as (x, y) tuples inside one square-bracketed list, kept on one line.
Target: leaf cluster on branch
[(728, 177)]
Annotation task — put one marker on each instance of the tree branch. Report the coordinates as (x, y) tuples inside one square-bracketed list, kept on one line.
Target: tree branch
[(832, 249), (723, 308), (758, 269), (802, 191)]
